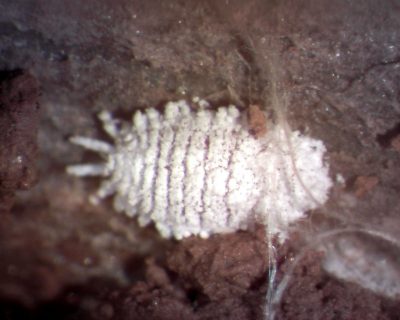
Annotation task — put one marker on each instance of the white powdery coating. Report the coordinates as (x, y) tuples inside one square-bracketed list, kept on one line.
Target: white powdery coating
[(200, 173)]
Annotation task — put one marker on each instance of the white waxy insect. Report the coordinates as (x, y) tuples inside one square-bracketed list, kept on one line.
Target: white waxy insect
[(202, 172)]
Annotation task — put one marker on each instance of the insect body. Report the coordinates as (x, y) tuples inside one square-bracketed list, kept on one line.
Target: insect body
[(199, 173)]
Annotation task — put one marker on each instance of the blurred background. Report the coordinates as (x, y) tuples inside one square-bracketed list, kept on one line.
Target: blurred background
[(336, 66)]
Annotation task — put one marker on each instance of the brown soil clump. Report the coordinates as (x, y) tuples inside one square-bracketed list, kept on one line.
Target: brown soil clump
[(19, 116)]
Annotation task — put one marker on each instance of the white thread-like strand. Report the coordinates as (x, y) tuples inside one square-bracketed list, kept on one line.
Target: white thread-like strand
[(200, 173)]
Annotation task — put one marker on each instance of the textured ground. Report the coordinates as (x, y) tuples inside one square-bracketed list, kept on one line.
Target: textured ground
[(336, 67)]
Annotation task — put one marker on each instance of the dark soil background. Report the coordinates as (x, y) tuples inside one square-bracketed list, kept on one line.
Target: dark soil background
[(337, 68)]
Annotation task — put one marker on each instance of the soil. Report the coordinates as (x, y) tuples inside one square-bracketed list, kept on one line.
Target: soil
[(334, 65), (19, 121)]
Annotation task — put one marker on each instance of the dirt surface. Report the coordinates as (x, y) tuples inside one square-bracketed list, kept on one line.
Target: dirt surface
[(335, 68), (19, 121)]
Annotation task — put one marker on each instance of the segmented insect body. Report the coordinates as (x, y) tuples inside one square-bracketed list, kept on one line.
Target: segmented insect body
[(199, 173)]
